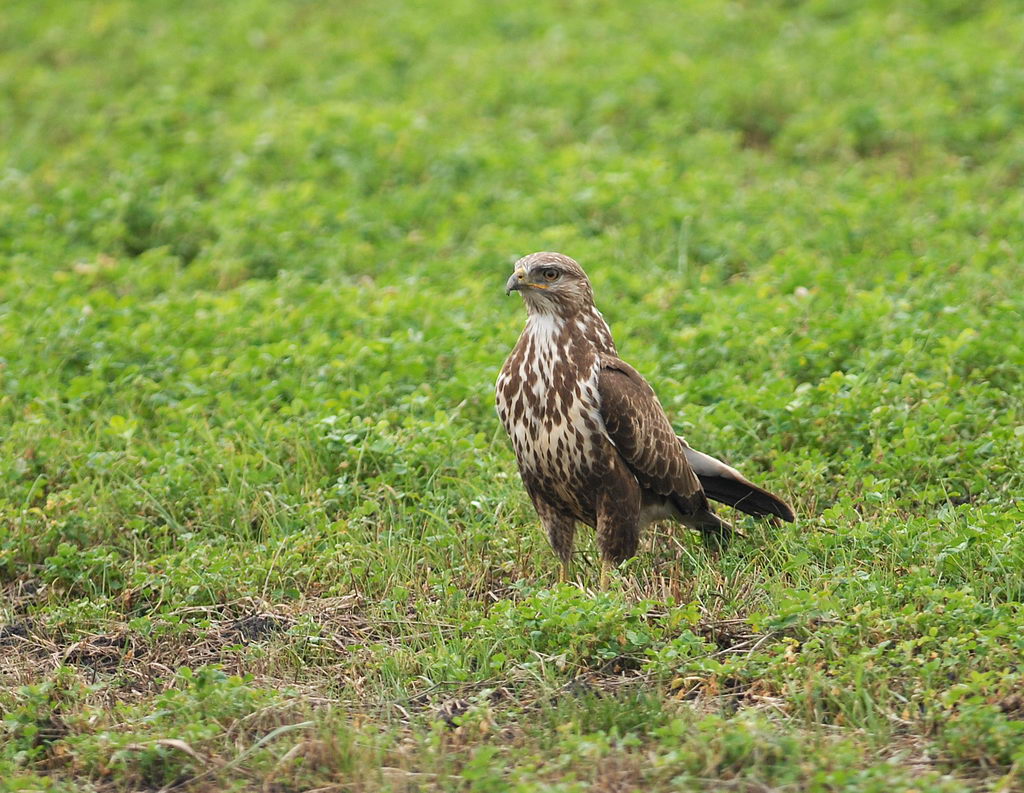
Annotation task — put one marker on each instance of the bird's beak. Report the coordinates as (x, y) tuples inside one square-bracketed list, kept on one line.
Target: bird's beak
[(516, 281)]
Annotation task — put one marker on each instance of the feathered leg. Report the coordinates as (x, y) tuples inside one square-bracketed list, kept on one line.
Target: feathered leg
[(618, 525), (561, 530)]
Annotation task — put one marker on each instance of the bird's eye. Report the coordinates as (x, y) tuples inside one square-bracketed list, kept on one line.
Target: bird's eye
[(551, 275)]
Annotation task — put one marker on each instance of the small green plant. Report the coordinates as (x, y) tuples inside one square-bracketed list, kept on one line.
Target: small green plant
[(35, 716), (92, 572), (577, 628)]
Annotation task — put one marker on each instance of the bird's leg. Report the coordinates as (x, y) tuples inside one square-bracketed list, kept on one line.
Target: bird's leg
[(561, 529), (618, 524)]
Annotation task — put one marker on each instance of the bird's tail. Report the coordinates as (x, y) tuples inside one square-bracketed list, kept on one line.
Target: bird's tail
[(724, 483)]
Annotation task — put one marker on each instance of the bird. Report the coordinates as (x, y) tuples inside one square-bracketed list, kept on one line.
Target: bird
[(592, 442)]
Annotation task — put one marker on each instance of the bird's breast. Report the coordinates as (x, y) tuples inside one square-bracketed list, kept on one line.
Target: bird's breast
[(547, 398)]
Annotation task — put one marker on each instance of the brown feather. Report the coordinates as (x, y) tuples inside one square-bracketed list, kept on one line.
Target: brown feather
[(640, 430), (592, 441)]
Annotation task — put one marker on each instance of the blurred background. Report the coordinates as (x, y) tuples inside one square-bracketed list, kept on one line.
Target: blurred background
[(703, 139)]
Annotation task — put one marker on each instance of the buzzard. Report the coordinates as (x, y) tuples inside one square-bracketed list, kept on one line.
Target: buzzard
[(592, 441)]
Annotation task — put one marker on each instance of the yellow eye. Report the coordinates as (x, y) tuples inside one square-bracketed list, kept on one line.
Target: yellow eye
[(551, 275)]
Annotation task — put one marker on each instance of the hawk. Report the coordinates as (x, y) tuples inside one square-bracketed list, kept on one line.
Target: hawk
[(592, 441)]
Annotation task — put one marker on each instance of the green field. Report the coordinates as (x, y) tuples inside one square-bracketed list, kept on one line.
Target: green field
[(260, 528)]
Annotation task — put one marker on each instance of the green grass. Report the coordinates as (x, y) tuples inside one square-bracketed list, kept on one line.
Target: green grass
[(259, 526)]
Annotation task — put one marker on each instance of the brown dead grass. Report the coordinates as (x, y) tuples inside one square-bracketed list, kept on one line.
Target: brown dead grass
[(138, 665)]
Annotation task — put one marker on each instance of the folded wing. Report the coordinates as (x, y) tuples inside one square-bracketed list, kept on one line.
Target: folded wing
[(643, 435)]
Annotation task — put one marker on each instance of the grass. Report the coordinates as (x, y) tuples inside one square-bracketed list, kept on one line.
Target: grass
[(259, 526)]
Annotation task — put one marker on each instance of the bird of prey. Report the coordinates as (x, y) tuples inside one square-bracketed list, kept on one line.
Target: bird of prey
[(592, 441)]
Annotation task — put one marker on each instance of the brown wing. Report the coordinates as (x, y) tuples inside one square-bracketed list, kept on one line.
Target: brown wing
[(640, 430)]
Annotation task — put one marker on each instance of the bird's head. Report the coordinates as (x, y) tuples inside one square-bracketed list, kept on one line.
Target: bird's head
[(551, 283)]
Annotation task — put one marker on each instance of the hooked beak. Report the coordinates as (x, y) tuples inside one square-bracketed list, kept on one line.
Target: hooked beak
[(516, 282)]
